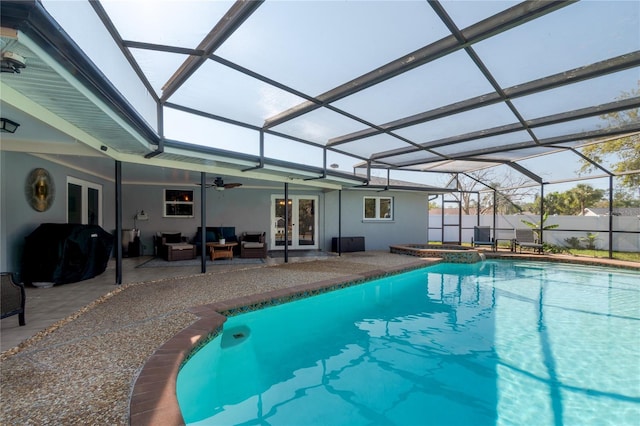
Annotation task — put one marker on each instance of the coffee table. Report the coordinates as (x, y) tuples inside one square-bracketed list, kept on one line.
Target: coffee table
[(221, 251)]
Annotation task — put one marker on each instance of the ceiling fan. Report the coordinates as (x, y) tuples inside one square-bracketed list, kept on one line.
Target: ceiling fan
[(219, 184)]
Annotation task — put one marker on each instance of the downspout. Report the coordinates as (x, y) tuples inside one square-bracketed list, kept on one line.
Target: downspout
[(118, 178)]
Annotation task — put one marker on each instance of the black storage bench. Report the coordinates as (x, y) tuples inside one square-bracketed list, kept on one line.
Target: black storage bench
[(348, 244)]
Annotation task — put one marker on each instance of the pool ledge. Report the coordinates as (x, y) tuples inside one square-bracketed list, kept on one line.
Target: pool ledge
[(153, 399), (448, 252)]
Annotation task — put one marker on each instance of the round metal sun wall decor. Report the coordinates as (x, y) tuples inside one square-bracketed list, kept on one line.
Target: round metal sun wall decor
[(40, 189)]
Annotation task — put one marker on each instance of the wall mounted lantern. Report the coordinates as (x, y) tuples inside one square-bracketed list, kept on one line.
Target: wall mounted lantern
[(8, 126)]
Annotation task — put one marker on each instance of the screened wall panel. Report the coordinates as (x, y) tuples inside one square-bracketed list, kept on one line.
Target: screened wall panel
[(316, 46), (438, 83), (319, 126), (197, 130), (576, 35), (459, 124)]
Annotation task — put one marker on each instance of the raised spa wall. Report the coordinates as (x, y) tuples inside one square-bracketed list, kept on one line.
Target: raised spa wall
[(449, 253)]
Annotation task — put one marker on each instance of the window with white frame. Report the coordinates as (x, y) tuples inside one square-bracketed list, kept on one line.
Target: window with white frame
[(84, 202), (378, 208), (178, 203)]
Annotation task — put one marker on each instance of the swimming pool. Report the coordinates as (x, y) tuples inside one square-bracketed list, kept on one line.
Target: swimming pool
[(496, 342)]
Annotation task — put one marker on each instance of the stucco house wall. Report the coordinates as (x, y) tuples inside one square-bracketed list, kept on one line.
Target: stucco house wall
[(19, 219), (247, 209), (409, 224)]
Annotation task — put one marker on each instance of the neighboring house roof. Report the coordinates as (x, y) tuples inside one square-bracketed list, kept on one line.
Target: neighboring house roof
[(617, 211)]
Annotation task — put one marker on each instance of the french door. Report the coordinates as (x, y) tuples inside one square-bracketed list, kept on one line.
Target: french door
[(301, 229), (84, 202)]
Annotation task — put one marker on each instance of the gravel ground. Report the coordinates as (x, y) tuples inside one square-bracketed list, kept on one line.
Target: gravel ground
[(82, 370)]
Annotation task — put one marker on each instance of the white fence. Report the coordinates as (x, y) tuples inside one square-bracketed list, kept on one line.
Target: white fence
[(626, 235)]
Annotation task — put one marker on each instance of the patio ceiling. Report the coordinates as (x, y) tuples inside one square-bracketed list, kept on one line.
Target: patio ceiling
[(282, 90)]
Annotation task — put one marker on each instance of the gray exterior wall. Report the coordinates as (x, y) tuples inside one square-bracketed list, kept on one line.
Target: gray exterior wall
[(19, 219), (409, 224), (246, 209)]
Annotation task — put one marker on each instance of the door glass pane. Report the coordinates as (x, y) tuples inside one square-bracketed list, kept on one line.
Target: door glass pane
[(280, 223), (74, 203), (306, 221), (92, 206)]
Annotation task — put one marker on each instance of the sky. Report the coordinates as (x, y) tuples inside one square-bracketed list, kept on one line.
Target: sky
[(314, 46)]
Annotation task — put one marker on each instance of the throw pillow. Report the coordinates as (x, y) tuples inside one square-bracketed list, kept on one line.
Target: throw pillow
[(253, 237), (172, 238)]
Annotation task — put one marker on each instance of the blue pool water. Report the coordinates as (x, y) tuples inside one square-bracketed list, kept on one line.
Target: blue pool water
[(497, 342)]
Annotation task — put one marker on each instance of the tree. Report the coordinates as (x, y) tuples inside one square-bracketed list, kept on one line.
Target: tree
[(621, 198), (510, 192), (571, 202), (626, 150), (583, 196)]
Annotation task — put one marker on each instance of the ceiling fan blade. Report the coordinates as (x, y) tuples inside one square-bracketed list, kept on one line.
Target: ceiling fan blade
[(232, 185)]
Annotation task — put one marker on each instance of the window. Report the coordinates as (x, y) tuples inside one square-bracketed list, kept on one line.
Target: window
[(378, 208), (178, 203), (84, 202)]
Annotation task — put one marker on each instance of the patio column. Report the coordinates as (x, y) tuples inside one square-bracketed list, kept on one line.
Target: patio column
[(495, 209), (286, 222), (610, 217), (340, 222), (203, 222), (541, 211), (118, 178)]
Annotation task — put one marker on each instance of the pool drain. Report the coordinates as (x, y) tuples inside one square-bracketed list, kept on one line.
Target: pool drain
[(235, 336)]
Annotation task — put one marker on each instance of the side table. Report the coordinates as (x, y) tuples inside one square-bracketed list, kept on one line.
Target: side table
[(221, 251)]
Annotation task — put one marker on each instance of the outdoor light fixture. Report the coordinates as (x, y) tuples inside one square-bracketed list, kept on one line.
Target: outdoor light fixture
[(12, 62), (8, 126)]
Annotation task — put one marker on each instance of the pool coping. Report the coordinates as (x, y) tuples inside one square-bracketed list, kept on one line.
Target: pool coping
[(153, 399)]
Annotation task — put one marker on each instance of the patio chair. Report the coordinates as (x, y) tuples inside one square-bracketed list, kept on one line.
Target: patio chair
[(482, 237), (12, 297), (527, 238), (253, 245), (174, 247)]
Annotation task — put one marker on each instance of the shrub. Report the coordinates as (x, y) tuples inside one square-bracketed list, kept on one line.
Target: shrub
[(573, 242)]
